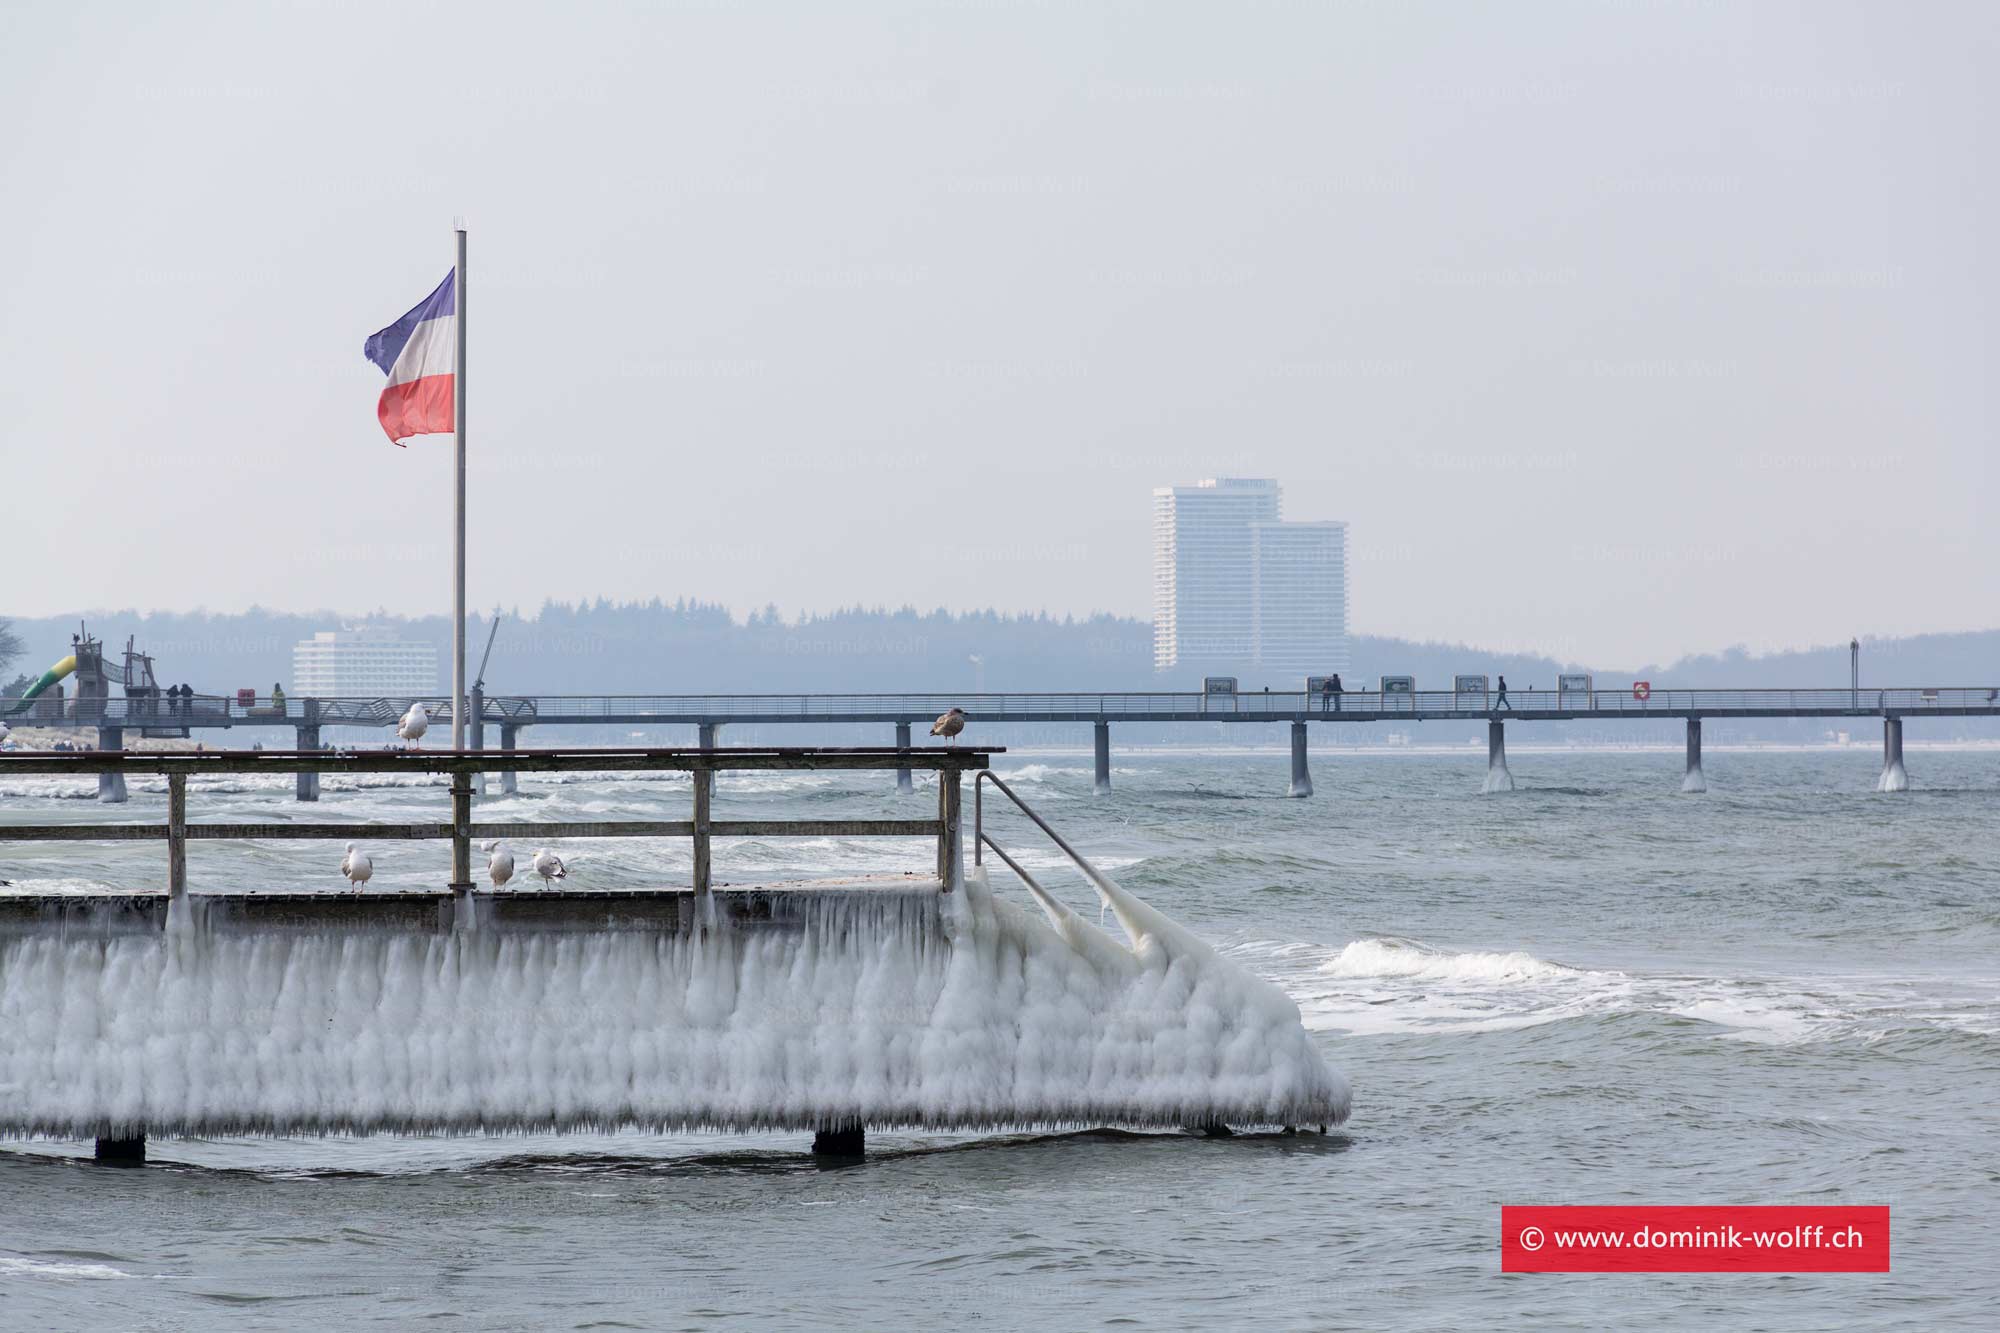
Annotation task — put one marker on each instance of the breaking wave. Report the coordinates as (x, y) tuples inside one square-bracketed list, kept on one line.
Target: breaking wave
[(1391, 957)]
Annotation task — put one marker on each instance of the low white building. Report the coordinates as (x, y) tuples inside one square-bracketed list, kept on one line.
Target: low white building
[(364, 662)]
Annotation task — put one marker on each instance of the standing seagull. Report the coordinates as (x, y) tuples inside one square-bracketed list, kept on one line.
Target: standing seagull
[(549, 866), (414, 724), (357, 867), (500, 865), (949, 725)]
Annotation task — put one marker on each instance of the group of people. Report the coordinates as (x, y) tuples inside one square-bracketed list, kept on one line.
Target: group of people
[(180, 699)]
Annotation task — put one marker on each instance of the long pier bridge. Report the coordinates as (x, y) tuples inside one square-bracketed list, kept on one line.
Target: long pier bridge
[(510, 715)]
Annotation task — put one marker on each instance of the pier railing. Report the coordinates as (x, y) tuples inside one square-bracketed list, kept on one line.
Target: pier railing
[(950, 763), (515, 711)]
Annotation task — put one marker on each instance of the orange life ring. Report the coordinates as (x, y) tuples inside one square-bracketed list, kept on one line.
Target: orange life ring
[(1642, 690)]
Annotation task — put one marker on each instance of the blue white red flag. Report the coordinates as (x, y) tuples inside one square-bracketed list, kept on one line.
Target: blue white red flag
[(419, 354)]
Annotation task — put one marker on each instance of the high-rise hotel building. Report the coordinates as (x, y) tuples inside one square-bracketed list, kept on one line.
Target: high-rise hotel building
[(1236, 589)]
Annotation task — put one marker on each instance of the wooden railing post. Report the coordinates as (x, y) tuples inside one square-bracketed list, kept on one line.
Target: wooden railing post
[(948, 812), (461, 830), (177, 854), (704, 800)]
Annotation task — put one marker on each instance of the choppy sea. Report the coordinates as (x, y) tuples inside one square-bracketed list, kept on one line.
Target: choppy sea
[(1592, 989)]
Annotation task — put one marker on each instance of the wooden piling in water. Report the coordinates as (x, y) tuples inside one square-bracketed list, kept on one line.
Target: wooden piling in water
[(120, 1152)]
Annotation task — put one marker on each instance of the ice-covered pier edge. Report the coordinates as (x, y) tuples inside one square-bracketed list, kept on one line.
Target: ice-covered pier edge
[(911, 1009)]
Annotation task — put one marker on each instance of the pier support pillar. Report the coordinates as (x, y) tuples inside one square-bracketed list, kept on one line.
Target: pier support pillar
[(705, 734), (903, 780), (843, 1141), (1893, 777), (509, 786), (1694, 781), (307, 738), (111, 786), (1497, 776), (1302, 778), (1101, 757), (121, 1152)]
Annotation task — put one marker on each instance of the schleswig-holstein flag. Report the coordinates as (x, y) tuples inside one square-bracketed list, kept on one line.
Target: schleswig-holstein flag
[(418, 353)]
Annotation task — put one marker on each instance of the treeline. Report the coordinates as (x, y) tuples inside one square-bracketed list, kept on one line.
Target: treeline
[(604, 647)]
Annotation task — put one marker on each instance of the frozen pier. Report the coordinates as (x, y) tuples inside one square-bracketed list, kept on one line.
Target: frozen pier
[(924, 1000)]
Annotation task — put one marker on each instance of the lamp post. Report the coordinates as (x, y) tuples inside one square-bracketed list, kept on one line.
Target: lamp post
[(1854, 673)]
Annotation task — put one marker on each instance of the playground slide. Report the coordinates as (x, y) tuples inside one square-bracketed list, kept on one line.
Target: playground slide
[(48, 678)]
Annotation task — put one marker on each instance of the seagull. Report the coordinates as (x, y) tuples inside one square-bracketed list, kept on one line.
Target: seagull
[(414, 724), (949, 725), (356, 866), (548, 865), (500, 865)]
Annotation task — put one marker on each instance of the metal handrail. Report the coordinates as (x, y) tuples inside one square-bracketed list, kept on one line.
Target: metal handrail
[(981, 839)]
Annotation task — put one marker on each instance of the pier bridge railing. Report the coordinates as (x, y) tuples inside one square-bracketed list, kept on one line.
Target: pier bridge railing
[(511, 712)]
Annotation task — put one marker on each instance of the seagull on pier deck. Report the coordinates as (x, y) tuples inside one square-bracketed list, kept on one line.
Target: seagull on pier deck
[(549, 866), (357, 866), (414, 724), (499, 865), (949, 725)]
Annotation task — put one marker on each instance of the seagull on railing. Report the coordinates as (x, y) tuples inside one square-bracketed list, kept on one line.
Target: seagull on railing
[(549, 866), (499, 865), (949, 725), (414, 724), (357, 866)]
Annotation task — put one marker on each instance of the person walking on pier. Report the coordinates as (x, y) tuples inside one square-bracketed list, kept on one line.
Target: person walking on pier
[(1500, 701)]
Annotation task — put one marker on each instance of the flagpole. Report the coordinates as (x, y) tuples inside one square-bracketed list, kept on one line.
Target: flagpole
[(458, 518)]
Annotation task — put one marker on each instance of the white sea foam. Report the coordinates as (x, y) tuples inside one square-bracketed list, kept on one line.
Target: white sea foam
[(890, 1009), (38, 1268)]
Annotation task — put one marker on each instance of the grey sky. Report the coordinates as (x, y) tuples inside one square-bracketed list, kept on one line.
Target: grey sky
[(1616, 330)]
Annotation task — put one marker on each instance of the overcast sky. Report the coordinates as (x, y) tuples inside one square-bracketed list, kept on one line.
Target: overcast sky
[(1616, 330)]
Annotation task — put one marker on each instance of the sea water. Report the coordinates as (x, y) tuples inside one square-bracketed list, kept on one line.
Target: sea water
[(1591, 989)]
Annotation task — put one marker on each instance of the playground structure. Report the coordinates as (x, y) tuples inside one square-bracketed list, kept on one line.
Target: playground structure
[(90, 702)]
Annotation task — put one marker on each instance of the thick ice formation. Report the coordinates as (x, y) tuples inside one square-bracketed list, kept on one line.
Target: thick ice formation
[(906, 1009)]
